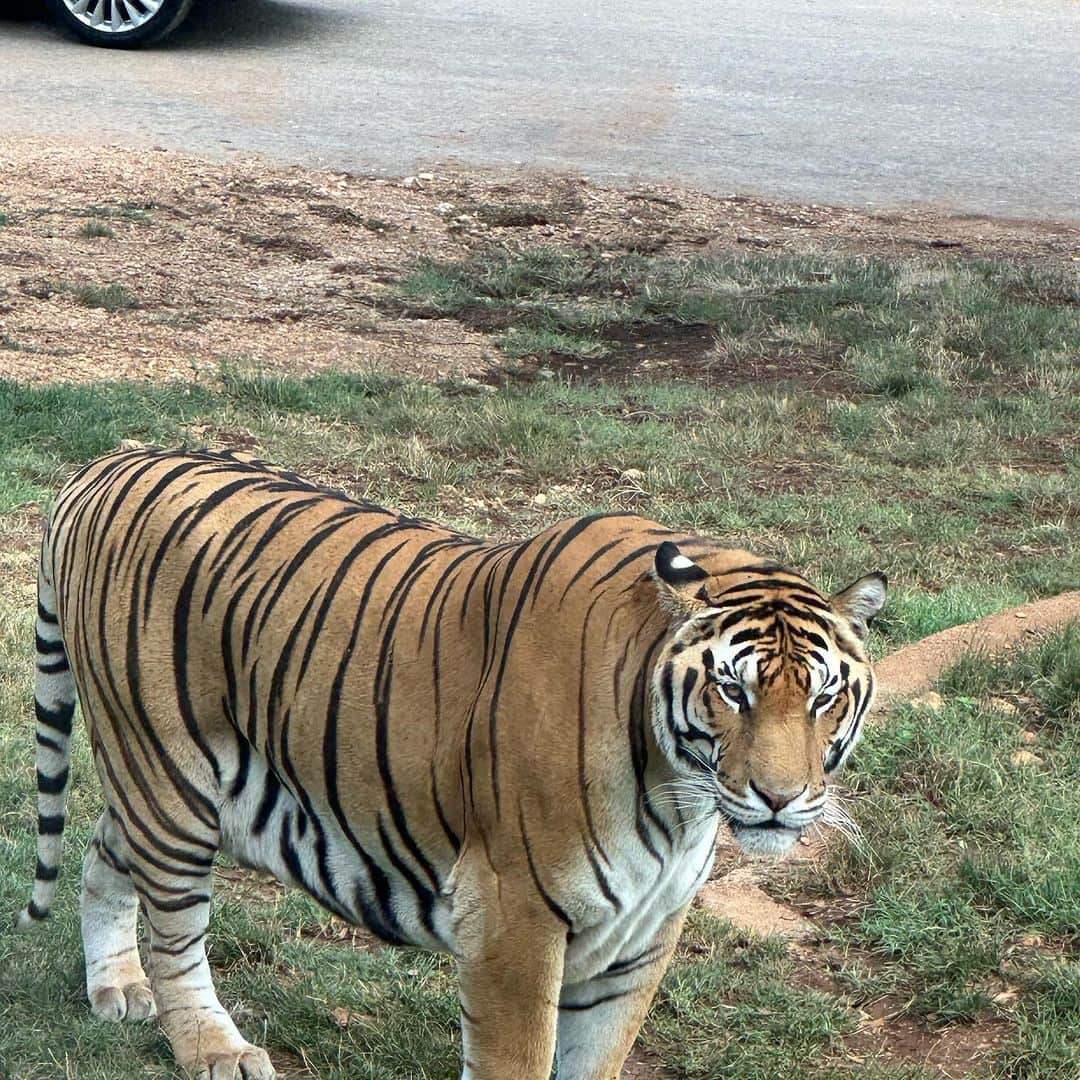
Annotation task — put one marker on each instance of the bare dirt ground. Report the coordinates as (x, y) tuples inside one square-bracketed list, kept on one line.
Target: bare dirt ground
[(302, 259)]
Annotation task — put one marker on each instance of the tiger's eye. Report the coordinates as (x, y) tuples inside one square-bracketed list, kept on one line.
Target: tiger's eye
[(734, 691)]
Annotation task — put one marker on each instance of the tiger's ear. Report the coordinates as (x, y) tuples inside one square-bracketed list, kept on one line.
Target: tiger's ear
[(861, 601), (678, 581)]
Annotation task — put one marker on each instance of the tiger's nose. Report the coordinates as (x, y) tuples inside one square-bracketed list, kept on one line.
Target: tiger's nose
[(775, 800)]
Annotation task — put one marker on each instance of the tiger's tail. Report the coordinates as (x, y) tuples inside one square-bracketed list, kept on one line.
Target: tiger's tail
[(54, 706)]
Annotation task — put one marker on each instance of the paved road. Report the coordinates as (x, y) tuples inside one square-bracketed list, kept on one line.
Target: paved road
[(973, 106)]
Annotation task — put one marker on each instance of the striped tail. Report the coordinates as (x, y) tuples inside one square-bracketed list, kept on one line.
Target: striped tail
[(54, 704)]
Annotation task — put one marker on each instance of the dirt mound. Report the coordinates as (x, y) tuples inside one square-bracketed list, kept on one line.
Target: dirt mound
[(911, 670)]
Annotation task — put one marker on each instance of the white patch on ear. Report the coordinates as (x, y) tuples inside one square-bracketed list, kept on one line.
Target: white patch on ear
[(681, 562), (860, 602)]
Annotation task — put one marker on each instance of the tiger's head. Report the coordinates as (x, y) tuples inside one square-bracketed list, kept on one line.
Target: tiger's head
[(760, 691)]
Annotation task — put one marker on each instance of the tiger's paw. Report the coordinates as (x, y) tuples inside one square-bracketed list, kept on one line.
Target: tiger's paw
[(135, 1001), (250, 1063)]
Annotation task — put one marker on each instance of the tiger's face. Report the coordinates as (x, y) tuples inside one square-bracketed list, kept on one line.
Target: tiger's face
[(761, 692)]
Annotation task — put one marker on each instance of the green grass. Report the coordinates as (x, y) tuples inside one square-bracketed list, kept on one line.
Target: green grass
[(734, 1006), (970, 867), (95, 228), (111, 297), (135, 213), (961, 533), (895, 327)]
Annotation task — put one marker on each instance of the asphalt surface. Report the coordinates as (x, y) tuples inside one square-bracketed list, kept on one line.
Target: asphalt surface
[(972, 107)]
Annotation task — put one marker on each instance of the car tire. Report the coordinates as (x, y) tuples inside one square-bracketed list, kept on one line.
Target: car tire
[(120, 24)]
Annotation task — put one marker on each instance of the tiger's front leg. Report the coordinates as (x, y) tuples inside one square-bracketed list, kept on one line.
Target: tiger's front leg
[(510, 950), (599, 1019)]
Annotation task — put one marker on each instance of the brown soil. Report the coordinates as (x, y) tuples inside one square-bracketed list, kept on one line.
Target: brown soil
[(658, 350), (289, 269), (738, 898), (953, 1052), (641, 1066)]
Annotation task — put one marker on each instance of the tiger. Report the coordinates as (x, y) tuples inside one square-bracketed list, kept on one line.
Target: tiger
[(519, 753)]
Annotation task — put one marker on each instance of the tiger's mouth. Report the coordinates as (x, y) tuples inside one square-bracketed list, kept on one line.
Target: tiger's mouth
[(770, 839)]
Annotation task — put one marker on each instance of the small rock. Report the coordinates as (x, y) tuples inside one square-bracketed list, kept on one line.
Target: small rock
[(540, 499), (1029, 737), (931, 700), (633, 474), (1023, 759), (1002, 705)]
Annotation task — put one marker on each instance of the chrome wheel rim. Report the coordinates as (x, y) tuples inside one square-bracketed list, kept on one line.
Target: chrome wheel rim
[(113, 16)]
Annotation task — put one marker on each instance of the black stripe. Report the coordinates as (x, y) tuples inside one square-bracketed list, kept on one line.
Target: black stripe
[(266, 805), (424, 896), (599, 1001), (193, 798), (599, 553), (644, 958), (47, 648), (383, 688), (59, 719), (583, 785), (50, 824), (689, 679), (232, 545), (667, 689), (506, 644), (288, 852), (565, 540), (634, 556), (333, 588), (549, 901), (55, 667), (181, 903), (379, 917), (181, 626), (49, 744), (52, 785), (243, 765), (46, 873), (602, 881)]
